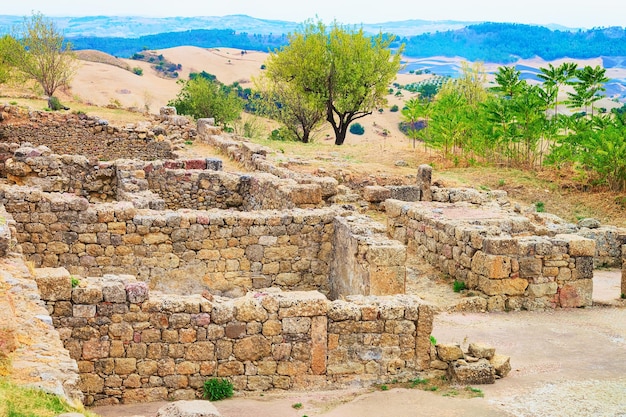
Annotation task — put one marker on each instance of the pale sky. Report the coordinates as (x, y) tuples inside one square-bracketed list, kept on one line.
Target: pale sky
[(572, 13)]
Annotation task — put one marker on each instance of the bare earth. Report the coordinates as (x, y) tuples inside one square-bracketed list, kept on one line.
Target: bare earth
[(569, 362)]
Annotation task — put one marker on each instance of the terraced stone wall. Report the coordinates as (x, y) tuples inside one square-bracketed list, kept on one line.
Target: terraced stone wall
[(494, 252), (177, 251), (133, 345)]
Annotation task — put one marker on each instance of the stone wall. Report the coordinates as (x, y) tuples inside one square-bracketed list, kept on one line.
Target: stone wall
[(365, 261), (181, 252), (492, 251), (254, 157), (78, 134), (133, 345)]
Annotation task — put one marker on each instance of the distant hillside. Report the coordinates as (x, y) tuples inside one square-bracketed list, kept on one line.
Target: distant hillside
[(136, 26), (506, 42)]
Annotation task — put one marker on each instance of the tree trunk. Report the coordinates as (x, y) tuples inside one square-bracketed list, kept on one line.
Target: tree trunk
[(340, 133)]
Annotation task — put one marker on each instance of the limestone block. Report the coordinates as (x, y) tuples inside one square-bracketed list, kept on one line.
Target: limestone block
[(500, 246), (376, 193), (54, 283), (252, 348), (576, 293), (340, 310), (114, 292), (578, 245), (249, 309), (476, 373), (491, 266), (388, 253), (405, 192), (302, 194), (424, 179), (142, 395), (542, 290), (584, 268), (530, 267), (449, 353), (387, 280), (501, 364), (481, 350), (512, 286)]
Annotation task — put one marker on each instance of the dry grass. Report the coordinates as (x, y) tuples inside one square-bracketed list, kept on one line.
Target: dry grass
[(102, 57)]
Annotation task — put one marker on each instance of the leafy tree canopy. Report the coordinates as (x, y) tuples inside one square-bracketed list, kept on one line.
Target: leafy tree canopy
[(340, 70), (201, 97), (42, 54)]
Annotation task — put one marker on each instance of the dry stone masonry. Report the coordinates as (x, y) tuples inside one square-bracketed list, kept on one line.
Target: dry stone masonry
[(494, 252), (134, 345), (186, 272)]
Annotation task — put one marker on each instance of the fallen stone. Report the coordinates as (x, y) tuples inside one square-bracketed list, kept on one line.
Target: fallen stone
[(481, 350), (501, 364), (449, 353), (195, 408), (478, 373)]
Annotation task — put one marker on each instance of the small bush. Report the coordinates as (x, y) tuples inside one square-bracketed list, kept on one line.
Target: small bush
[(357, 129), (433, 341), (54, 104), (263, 66), (297, 406), (75, 281), (458, 286), (540, 206), (394, 108), (138, 71), (216, 389)]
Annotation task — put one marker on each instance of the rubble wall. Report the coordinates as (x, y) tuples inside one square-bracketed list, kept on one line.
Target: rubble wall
[(133, 345), (492, 252), (79, 134), (180, 252)]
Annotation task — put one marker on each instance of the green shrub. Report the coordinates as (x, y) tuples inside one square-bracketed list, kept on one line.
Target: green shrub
[(433, 341), (357, 129), (394, 108), (138, 71), (216, 389), (540, 206), (54, 104), (458, 286), (75, 281)]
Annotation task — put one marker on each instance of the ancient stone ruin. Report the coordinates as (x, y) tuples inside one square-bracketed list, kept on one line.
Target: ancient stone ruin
[(159, 272)]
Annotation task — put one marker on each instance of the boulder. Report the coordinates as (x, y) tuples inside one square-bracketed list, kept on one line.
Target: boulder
[(481, 350), (501, 364), (449, 353), (477, 373)]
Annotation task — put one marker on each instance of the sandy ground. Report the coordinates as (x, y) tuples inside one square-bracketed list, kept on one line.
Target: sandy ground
[(564, 363)]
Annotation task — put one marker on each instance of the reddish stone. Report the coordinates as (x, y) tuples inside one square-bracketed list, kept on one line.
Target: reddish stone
[(195, 164)]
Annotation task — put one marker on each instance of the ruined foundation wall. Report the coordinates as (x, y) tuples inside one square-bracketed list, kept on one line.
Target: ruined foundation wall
[(78, 134), (365, 261), (496, 256), (136, 346), (180, 252)]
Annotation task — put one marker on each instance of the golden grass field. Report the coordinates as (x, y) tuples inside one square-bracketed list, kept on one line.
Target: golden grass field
[(106, 86)]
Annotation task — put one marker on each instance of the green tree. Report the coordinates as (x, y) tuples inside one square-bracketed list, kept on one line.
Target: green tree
[(556, 77), (590, 83), (342, 71), (508, 82), (42, 54), (201, 98), (297, 111)]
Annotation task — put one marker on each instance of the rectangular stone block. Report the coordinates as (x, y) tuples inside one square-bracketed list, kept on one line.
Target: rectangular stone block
[(491, 266), (510, 286), (376, 193), (54, 284)]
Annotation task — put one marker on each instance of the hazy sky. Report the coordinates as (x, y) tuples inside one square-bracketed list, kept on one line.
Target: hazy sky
[(573, 13)]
